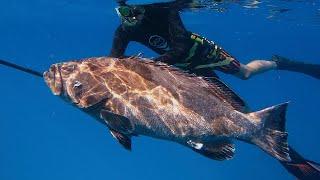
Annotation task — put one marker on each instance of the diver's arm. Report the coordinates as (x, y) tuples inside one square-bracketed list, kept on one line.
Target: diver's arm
[(120, 43), (179, 37), (166, 58), (173, 56), (177, 30)]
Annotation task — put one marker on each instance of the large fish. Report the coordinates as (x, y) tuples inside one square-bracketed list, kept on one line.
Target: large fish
[(139, 97)]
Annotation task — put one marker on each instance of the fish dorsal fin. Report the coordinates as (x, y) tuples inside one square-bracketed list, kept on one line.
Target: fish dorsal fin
[(224, 93), (221, 150), (139, 55), (220, 89)]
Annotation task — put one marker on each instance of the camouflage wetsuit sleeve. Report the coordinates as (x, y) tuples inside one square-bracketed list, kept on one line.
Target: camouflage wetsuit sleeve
[(178, 37), (209, 56), (227, 63), (120, 43)]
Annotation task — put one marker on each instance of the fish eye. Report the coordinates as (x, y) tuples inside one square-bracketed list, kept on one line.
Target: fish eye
[(77, 84)]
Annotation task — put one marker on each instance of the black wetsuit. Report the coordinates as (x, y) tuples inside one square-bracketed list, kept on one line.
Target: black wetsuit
[(162, 30)]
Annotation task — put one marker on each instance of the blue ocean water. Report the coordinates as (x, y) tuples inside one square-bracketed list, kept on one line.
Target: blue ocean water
[(42, 137)]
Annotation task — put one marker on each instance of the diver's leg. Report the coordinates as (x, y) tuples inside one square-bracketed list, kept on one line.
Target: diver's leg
[(255, 67), (297, 66), (280, 63), (230, 65)]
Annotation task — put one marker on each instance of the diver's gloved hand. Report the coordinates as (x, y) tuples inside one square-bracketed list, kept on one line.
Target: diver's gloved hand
[(297, 66)]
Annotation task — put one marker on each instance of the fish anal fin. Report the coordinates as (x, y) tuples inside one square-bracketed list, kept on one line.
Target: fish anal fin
[(220, 151), (123, 139)]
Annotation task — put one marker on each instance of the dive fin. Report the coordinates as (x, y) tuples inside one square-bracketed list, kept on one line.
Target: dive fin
[(220, 151), (283, 63), (301, 168), (124, 140), (272, 137)]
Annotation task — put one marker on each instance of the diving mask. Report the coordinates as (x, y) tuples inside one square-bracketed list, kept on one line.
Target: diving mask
[(130, 15)]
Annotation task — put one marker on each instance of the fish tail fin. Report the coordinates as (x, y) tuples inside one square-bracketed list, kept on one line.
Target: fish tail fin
[(300, 167), (271, 137)]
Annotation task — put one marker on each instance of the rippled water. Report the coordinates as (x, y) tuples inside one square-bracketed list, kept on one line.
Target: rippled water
[(287, 10)]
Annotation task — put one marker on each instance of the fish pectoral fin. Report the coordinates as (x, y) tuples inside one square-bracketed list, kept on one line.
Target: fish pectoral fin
[(117, 122), (222, 150), (120, 127), (123, 139)]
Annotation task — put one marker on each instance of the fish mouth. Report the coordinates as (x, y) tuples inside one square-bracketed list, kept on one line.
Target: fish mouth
[(53, 79)]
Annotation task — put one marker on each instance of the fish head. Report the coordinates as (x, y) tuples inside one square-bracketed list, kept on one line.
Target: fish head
[(77, 83), (53, 78)]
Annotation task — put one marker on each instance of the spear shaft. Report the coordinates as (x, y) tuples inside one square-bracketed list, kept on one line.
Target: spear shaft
[(21, 68)]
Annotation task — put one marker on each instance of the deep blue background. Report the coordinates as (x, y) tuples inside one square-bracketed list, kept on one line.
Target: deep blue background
[(42, 137)]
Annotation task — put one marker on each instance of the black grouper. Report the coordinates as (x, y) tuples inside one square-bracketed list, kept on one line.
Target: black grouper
[(135, 96)]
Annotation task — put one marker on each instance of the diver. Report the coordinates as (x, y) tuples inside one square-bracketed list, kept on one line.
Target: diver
[(159, 27)]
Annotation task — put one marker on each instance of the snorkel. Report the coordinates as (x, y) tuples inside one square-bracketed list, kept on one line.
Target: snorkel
[(130, 15)]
